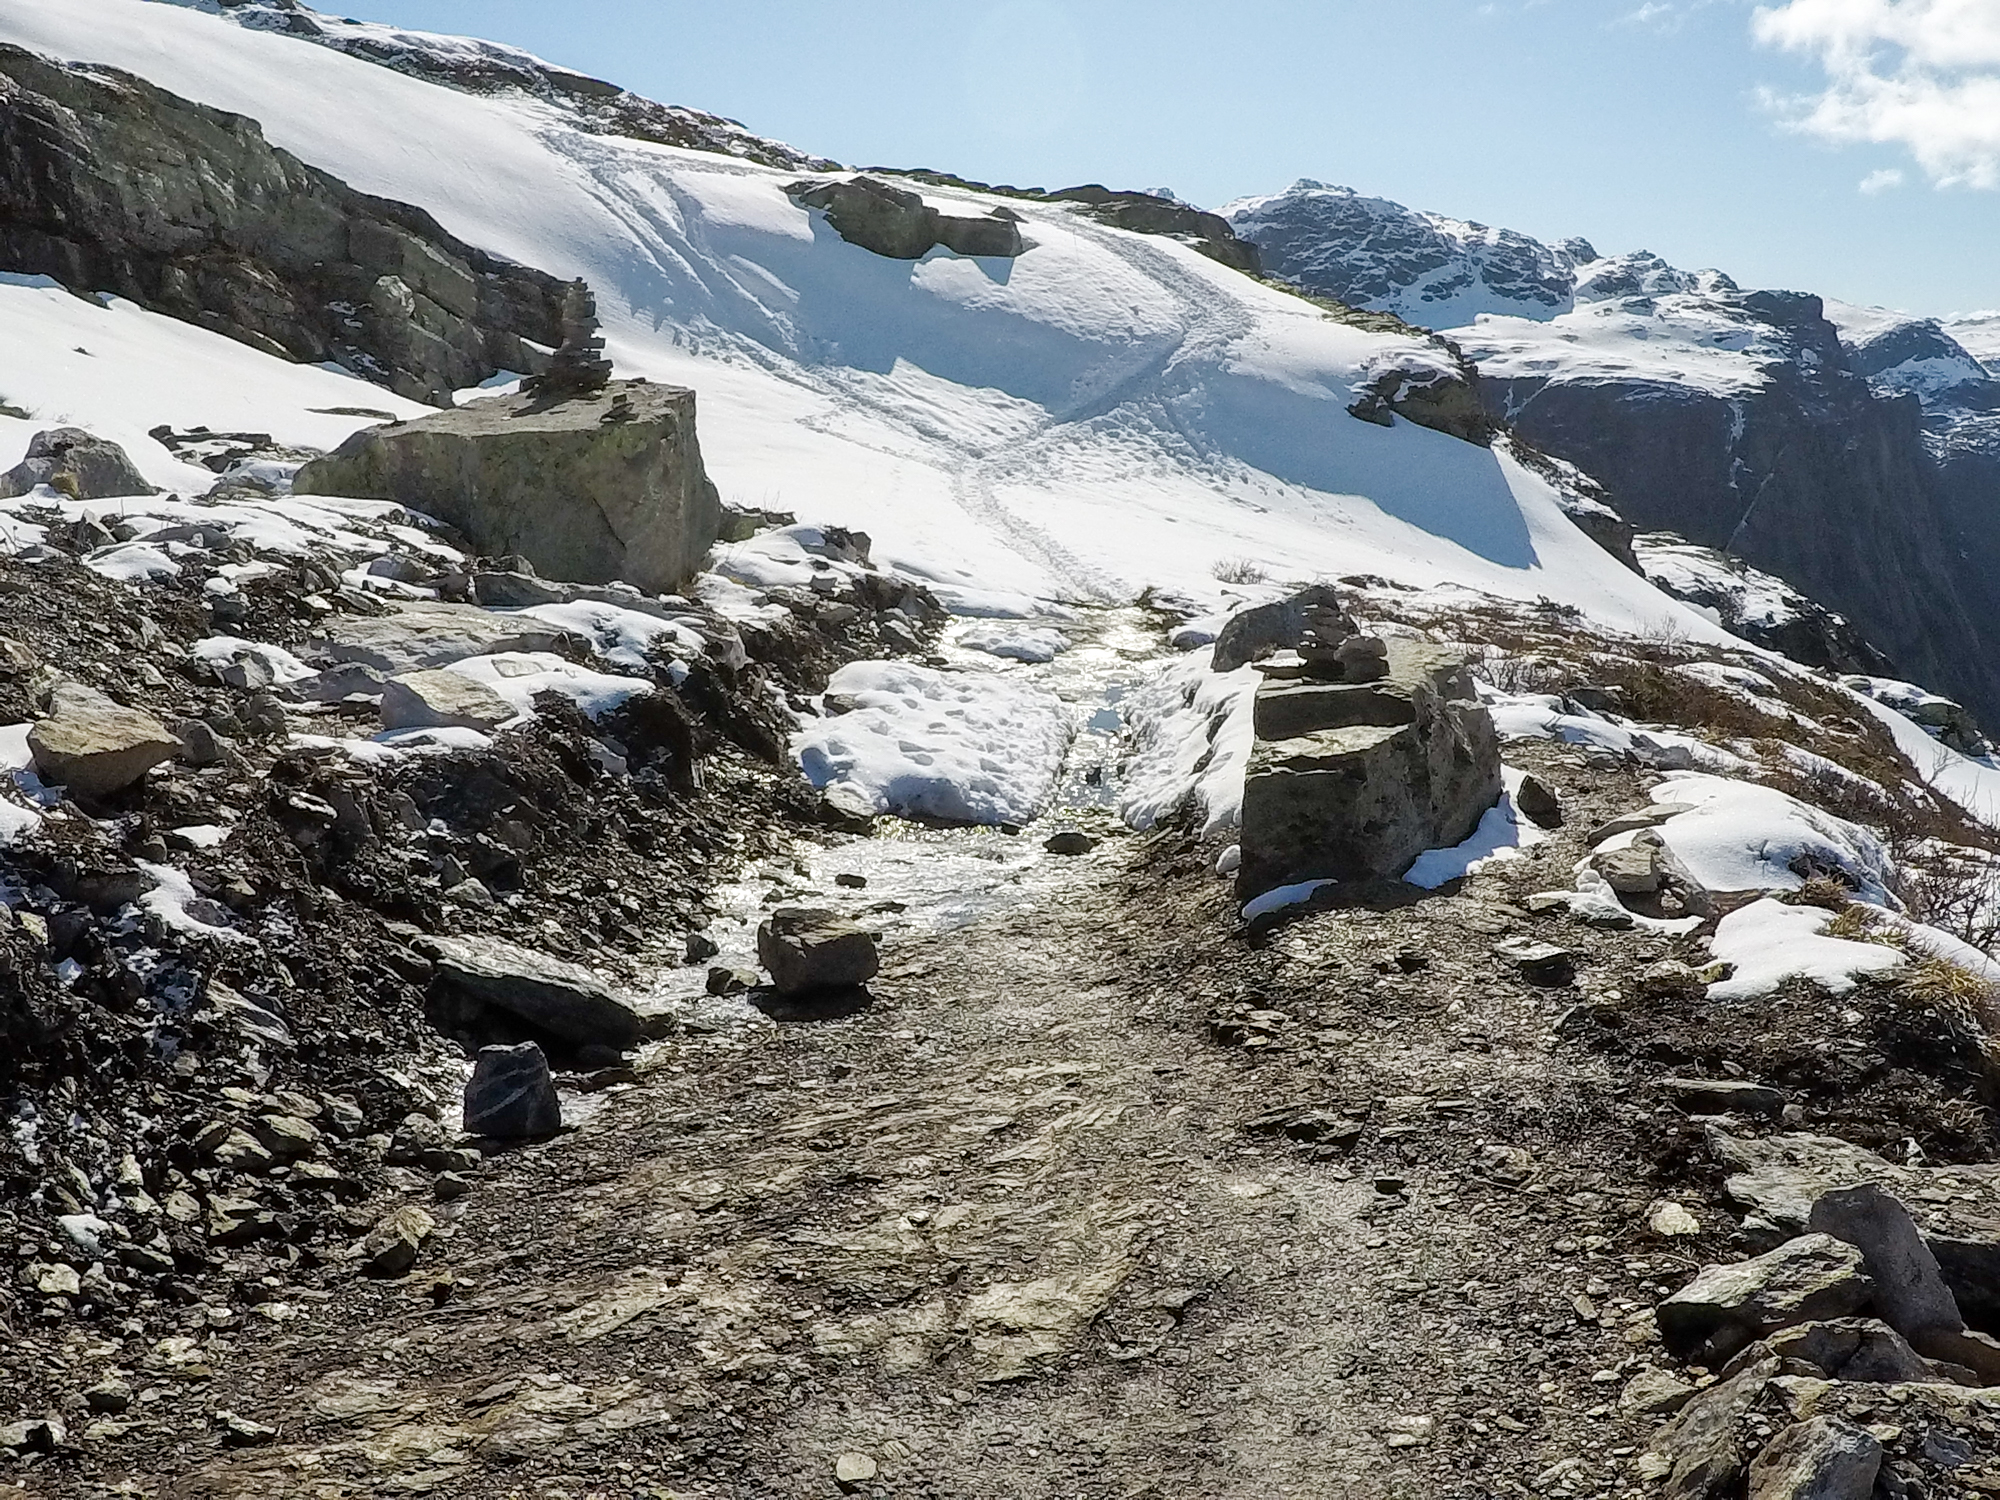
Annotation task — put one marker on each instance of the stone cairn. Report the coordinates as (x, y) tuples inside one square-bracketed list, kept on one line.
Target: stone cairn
[(1331, 650), (578, 367)]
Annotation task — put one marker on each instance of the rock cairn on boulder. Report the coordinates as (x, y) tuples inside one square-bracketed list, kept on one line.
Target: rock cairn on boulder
[(80, 465), (897, 223), (1367, 753), (593, 488), (579, 366)]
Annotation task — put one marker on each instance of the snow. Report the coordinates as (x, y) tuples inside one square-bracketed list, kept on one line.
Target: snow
[(1524, 716), (203, 835), (1501, 836), (1770, 942), (1191, 738), (174, 902), (1015, 642), (222, 650), (118, 370), (961, 747), (621, 636), (1283, 896), (1110, 412), (1737, 836), (134, 562), (518, 676), (1681, 341)]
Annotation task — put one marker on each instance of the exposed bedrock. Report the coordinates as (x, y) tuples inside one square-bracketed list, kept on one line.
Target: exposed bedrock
[(109, 184)]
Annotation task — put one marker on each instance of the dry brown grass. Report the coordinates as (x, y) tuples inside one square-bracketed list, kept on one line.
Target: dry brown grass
[(1968, 1001)]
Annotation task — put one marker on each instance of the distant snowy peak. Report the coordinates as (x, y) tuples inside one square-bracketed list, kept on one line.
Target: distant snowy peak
[(1425, 268), (1979, 334), (481, 67), (1901, 355), (1643, 274)]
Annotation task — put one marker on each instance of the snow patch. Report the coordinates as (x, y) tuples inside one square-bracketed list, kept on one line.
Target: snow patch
[(1770, 942)]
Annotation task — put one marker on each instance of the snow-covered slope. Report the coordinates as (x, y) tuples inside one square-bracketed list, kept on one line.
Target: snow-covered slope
[(1106, 413)]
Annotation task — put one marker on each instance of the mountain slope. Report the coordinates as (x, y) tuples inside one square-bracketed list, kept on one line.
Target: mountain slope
[(1736, 418), (1107, 413)]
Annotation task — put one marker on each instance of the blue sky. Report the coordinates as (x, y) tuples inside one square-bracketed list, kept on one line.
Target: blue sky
[(1668, 125)]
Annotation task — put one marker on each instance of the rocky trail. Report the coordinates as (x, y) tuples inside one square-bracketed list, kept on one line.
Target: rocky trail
[(1091, 1198)]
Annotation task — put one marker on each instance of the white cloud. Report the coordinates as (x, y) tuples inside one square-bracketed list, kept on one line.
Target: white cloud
[(1882, 181), (1920, 74)]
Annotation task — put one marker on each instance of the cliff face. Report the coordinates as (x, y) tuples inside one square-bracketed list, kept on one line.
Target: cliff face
[(109, 184)]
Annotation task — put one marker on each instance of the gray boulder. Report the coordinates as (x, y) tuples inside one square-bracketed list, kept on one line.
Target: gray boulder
[(1823, 1458), (87, 467), (1368, 776), (442, 699), (1727, 1308), (1721, 1096), (96, 747), (806, 950), (556, 997), (1910, 1293), (897, 223), (601, 486), (512, 1095), (391, 1247)]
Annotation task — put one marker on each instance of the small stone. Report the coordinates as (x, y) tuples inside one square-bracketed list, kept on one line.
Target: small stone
[(1824, 1458), (391, 1247), (1669, 1220), (1722, 1096), (1538, 802), (805, 950), (1654, 1393), (286, 1136), (1069, 841), (437, 698), (241, 1432), (43, 1436), (1539, 963), (511, 1094), (852, 1469), (700, 948), (54, 1280), (1390, 1187), (1726, 1308), (731, 979), (450, 1185), (1670, 979), (108, 1398), (849, 882)]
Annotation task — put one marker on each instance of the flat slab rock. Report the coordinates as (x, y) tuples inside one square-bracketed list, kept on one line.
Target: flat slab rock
[(1727, 1308), (420, 635), (561, 998), (442, 699)]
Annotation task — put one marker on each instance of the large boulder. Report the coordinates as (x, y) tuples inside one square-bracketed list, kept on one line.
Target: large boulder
[(511, 1095), (897, 223), (807, 950), (1366, 776), (442, 699), (1727, 1308), (558, 998), (96, 747), (596, 487), (87, 467)]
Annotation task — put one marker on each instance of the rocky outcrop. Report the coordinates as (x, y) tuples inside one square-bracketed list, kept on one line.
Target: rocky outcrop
[(595, 488), (897, 223), (1761, 608), (1142, 213), (110, 184), (77, 464), (1353, 780)]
